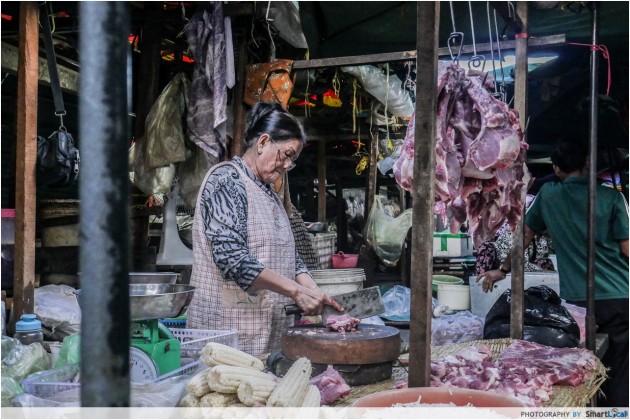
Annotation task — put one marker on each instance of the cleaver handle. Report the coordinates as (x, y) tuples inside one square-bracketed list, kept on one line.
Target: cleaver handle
[(292, 309)]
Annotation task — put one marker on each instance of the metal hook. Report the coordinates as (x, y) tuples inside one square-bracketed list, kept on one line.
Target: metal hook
[(456, 39), (475, 61), (511, 11), (62, 127)]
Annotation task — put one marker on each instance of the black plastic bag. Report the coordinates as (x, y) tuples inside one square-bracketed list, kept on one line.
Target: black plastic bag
[(545, 320), (57, 160)]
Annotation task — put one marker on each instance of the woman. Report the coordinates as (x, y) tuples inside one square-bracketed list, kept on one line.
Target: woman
[(245, 266)]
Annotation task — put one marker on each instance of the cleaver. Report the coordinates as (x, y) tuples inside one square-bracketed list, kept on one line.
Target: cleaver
[(362, 303)]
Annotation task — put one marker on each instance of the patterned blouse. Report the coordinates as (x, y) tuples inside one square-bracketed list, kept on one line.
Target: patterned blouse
[(492, 254), (224, 213)]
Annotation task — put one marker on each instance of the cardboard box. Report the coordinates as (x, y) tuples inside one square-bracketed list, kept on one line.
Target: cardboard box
[(445, 244)]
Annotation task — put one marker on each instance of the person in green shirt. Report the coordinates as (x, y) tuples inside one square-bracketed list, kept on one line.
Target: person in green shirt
[(560, 209)]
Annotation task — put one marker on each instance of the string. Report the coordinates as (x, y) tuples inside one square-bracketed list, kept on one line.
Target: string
[(604, 50)]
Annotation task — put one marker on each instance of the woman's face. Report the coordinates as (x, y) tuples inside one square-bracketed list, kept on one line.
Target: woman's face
[(274, 158)]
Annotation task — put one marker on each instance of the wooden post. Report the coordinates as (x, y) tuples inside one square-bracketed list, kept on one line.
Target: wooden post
[(26, 161), (372, 174), (321, 177), (520, 104), (423, 194), (238, 108)]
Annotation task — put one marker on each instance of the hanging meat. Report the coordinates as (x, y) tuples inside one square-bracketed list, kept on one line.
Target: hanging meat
[(480, 172)]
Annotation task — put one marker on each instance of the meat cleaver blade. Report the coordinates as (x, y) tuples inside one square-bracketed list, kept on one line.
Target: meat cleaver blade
[(362, 303)]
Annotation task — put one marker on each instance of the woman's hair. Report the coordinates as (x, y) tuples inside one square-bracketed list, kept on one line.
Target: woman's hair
[(570, 156), (271, 118)]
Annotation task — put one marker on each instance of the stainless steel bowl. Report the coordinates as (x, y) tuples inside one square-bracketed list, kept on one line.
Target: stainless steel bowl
[(315, 226), (153, 278), (151, 301)]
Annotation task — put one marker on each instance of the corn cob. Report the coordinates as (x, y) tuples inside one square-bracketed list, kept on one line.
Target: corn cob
[(189, 401), (226, 379), (198, 385), (291, 389), (218, 399), (312, 397), (214, 354), (255, 390)]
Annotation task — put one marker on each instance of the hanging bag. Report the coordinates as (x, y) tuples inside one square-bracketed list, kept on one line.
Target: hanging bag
[(57, 157), (269, 82)]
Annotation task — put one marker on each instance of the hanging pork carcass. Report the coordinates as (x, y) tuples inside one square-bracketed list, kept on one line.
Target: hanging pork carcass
[(480, 172)]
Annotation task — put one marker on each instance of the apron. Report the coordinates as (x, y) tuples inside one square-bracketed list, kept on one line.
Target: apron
[(219, 304)]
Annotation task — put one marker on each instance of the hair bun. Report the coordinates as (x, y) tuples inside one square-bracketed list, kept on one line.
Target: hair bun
[(261, 110)]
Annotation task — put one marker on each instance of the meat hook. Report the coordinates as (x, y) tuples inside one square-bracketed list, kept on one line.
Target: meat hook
[(455, 39), (476, 61)]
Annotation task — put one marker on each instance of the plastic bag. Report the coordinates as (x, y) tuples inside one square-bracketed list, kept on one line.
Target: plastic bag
[(192, 172), (4, 318), (70, 351), (579, 314), (10, 388), (545, 320), (19, 361), (456, 328), (384, 89), (397, 302), (386, 234), (149, 181), (164, 136), (57, 307)]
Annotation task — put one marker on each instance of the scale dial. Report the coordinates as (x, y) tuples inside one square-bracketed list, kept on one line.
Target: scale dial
[(141, 367)]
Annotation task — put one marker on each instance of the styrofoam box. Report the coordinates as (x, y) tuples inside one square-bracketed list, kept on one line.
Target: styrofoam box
[(445, 244), (481, 302)]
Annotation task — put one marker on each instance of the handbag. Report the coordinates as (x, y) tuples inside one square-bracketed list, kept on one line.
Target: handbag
[(269, 82), (57, 157)]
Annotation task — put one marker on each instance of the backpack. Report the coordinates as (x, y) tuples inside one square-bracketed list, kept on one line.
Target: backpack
[(57, 160)]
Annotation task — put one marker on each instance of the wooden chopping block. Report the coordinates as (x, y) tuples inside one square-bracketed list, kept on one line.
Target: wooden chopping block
[(369, 344)]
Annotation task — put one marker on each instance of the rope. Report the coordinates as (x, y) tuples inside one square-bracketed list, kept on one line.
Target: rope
[(604, 50)]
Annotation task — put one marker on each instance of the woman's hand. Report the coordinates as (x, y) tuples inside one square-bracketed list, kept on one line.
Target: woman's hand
[(312, 301), (489, 278)]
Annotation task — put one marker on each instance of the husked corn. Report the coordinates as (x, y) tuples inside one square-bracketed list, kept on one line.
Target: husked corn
[(291, 389), (214, 354), (218, 399), (255, 390), (226, 379), (312, 397), (189, 401), (198, 384)]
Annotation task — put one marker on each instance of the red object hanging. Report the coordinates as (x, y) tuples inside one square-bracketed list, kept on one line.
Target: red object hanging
[(602, 48)]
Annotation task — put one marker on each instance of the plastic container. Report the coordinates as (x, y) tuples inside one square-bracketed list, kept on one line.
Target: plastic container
[(455, 296), (342, 260), (29, 330), (427, 395), (336, 281), (444, 279), (324, 245), (193, 341)]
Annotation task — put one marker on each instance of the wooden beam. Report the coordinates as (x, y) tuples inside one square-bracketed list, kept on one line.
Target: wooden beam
[(321, 185), (236, 147), (423, 195), (372, 173), (68, 79), (520, 104), (544, 41), (26, 160)]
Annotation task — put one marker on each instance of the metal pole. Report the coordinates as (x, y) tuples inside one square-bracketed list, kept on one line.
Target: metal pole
[(104, 194), (423, 195), (592, 188), (518, 251)]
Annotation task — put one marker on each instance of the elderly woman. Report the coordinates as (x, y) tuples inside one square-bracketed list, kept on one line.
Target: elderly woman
[(245, 266)]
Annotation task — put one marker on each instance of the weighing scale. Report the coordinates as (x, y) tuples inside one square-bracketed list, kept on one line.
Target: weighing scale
[(155, 351)]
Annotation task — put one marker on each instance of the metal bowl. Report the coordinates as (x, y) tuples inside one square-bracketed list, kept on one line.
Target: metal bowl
[(153, 278), (151, 301), (315, 226)]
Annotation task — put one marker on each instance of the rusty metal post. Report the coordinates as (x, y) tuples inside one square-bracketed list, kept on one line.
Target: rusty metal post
[(26, 160), (321, 180), (423, 194), (592, 187), (520, 104), (104, 193)]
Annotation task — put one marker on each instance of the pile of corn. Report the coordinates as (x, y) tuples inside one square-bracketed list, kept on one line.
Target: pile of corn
[(236, 379)]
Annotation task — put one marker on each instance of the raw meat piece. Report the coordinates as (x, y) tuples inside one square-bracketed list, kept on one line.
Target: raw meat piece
[(331, 385), (480, 172), (342, 323)]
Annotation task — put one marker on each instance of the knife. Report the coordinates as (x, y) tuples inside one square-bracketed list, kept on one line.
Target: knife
[(362, 303)]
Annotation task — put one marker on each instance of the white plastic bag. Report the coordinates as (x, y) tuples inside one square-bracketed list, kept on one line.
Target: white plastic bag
[(57, 307), (386, 234)]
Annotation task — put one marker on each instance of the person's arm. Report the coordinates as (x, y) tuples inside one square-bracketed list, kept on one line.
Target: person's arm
[(492, 276), (623, 245), (310, 300)]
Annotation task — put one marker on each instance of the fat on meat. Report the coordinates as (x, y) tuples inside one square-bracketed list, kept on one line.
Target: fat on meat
[(480, 172), (331, 385), (342, 323)]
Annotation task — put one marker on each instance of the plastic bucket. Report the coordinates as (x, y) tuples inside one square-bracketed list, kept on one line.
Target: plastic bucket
[(444, 279), (342, 260), (455, 296)]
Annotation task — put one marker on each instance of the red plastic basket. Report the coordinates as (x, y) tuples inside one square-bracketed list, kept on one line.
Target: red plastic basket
[(342, 260)]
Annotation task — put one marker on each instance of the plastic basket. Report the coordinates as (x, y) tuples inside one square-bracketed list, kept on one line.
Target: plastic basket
[(50, 382), (342, 260), (192, 341), (324, 245)]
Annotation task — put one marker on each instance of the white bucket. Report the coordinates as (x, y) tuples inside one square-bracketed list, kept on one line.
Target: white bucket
[(455, 296), (334, 282)]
